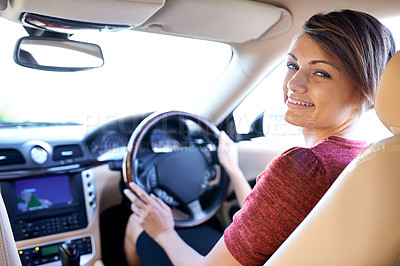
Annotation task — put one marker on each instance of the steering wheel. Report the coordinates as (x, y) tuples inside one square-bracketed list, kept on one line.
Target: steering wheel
[(174, 156)]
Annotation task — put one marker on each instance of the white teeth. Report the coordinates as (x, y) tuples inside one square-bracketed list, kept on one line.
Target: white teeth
[(300, 103)]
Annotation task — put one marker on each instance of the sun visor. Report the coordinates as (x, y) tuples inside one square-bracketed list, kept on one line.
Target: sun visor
[(229, 21), (127, 12)]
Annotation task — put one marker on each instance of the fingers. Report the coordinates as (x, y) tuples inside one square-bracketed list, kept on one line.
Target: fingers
[(222, 137), (134, 198), (160, 201), (138, 206), (149, 211), (140, 193), (137, 211), (224, 142), (140, 198)]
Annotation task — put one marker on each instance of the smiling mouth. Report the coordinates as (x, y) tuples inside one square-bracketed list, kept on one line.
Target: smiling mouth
[(300, 103)]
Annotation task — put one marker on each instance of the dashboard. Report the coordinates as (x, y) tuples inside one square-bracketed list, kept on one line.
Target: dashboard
[(110, 143), (32, 150), (48, 184), (64, 149)]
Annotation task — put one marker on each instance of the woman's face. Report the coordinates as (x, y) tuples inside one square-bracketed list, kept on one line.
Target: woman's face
[(318, 92)]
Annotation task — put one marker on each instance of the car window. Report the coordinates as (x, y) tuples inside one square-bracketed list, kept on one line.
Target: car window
[(142, 72), (268, 97)]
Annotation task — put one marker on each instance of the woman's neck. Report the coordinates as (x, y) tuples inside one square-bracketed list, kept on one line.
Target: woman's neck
[(314, 135)]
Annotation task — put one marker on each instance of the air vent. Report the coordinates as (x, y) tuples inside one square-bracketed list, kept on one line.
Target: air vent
[(11, 157), (65, 152)]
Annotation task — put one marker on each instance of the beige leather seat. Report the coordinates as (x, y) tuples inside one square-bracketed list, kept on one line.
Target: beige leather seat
[(8, 250), (357, 222)]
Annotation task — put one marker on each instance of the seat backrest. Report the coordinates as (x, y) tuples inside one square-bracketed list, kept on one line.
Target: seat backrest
[(8, 250), (357, 222)]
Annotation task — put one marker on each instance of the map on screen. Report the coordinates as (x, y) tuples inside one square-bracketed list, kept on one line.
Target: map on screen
[(43, 192)]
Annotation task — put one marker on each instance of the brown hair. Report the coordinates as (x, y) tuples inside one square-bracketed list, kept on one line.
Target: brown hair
[(361, 43)]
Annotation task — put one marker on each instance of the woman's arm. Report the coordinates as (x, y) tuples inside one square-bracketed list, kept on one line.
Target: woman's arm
[(229, 159), (156, 218), (182, 254)]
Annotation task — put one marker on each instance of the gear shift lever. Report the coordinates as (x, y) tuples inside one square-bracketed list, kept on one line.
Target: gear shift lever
[(69, 254)]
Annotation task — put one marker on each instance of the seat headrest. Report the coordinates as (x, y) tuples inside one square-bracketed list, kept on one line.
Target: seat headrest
[(387, 99)]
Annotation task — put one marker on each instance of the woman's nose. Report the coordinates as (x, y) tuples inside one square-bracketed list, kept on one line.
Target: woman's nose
[(298, 83)]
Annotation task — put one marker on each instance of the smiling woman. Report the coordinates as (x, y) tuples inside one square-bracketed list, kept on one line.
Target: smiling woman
[(142, 72), (319, 95), (267, 97)]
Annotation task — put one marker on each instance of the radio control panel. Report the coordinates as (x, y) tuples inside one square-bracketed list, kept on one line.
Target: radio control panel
[(48, 253)]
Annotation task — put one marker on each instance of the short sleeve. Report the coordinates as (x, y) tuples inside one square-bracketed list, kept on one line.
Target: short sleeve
[(284, 194)]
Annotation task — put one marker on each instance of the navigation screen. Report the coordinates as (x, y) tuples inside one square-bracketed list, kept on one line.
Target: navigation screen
[(43, 192)]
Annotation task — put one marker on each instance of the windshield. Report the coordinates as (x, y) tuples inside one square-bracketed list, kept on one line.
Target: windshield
[(142, 72)]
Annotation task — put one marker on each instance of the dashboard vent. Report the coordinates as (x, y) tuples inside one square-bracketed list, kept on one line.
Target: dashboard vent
[(64, 152), (11, 157)]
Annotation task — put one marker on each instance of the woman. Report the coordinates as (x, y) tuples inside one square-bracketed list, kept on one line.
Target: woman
[(334, 66)]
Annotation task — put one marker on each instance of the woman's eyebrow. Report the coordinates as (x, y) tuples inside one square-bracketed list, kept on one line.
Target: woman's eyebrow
[(293, 56), (313, 62)]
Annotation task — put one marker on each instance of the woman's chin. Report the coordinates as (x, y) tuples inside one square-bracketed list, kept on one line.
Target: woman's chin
[(293, 121)]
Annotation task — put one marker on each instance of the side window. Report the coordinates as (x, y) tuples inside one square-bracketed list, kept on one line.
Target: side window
[(267, 97)]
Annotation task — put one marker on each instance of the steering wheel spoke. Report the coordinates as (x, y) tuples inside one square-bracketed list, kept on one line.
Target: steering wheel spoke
[(152, 181), (196, 210), (167, 198)]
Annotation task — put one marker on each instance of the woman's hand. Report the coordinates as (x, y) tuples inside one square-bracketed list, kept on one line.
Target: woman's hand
[(227, 153), (229, 158), (149, 211)]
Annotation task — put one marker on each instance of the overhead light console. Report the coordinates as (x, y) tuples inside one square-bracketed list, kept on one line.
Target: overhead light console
[(66, 25)]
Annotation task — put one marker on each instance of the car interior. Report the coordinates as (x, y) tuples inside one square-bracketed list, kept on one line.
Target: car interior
[(62, 179)]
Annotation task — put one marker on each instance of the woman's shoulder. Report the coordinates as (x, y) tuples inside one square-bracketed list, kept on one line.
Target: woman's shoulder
[(338, 150), (333, 145), (338, 141), (301, 154), (296, 161), (329, 157)]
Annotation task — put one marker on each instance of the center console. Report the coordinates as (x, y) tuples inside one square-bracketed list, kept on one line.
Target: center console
[(48, 253), (50, 204)]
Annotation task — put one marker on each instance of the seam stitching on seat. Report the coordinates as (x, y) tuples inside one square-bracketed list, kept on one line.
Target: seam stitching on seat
[(4, 257), (377, 151)]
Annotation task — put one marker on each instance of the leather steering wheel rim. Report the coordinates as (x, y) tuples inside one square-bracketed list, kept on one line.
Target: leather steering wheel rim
[(197, 213)]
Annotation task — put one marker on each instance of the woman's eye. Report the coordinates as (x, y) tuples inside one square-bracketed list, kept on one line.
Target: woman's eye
[(322, 74), (292, 66)]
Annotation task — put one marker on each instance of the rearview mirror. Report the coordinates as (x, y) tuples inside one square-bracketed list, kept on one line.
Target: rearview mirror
[(54, 54)]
